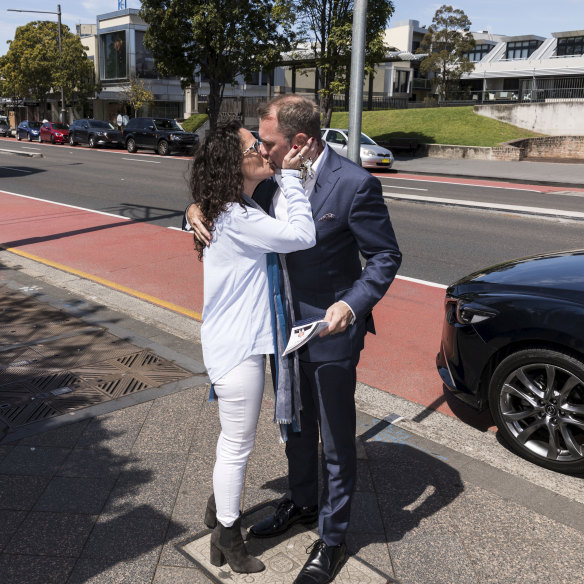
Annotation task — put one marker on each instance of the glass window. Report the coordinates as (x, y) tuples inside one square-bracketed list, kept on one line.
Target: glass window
[(400, 81), (521, 49), (570, 46), (114, 49), (144, 59), (479, 52)]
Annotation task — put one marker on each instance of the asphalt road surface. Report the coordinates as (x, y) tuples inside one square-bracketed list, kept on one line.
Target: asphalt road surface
[(440, 243)]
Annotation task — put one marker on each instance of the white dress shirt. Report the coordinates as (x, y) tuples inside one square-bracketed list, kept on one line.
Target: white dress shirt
[(236, 312)]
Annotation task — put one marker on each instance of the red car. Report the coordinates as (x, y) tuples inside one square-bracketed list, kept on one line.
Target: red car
[(54, 132)]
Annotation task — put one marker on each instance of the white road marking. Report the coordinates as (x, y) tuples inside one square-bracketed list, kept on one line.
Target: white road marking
[(461, 184), (490, 206), (424, 282), (408, 188), (138, 160)]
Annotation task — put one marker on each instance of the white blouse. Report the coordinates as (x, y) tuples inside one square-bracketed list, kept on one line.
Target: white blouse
[(236, 312)]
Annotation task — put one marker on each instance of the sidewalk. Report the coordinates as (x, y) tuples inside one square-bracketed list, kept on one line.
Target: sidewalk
[(113, 491), (549, 173)]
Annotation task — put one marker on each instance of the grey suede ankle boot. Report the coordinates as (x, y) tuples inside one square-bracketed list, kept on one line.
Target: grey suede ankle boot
[(227, 546)]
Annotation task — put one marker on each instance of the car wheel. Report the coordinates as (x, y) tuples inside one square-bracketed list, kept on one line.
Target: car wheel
[(72, 140), (163, 148), (39, 138), (18, 137), (92, 142), (131, 145), (29, 137), (52, 139), (536, 397)]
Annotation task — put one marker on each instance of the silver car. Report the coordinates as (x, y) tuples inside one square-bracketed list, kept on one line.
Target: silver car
[(372, 155)]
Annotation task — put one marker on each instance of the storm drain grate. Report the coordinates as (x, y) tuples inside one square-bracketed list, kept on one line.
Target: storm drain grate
[(65, 365)]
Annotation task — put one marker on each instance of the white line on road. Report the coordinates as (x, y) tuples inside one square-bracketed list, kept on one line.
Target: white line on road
[(408, 188), (17, 169), (489, 206), (424, 282), (462, 184), (138, 160)]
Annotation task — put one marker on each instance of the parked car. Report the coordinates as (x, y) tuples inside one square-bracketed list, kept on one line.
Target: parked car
[(162, 135), (94, 133), (28, 130), (5, 130), (513, 340), (54, 132), (372, 155)]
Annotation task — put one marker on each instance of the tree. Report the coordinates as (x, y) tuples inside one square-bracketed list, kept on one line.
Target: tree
[(448, 42), (33, 67), (220, 39), (328, 25), (137, 95)]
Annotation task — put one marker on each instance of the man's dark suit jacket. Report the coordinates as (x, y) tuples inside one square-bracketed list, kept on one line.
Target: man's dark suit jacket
[(350, 218)]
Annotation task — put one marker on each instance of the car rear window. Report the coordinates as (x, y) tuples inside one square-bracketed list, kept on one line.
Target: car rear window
[(163, 124), (99, 124), (60, 126)]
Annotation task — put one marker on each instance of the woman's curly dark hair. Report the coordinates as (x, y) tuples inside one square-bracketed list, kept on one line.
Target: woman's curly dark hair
[(216, 178)]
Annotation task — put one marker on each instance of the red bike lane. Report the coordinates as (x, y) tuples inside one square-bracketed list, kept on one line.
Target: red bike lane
[(159, 265)]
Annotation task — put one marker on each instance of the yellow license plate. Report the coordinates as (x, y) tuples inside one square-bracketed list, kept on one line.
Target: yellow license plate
[(385, 161)]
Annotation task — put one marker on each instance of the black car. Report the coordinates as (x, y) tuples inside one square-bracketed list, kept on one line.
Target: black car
[(5, 130), (159, 134), (513, 340), (94, 133), (28, 130)]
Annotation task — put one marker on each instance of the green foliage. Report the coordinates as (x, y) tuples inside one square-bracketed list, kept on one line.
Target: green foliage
[(444, 125), (448, 41), (221, 39), (137, 95), (193, 123), (328, 29), (33, 67)]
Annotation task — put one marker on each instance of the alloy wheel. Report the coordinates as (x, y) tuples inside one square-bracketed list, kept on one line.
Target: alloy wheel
[(539, 408)]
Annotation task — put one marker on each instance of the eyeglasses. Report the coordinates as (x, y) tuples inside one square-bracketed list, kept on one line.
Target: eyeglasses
[(255, 147)]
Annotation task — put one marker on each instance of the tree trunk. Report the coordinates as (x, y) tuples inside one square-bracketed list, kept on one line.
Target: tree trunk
[(215, 99), (326, 108)]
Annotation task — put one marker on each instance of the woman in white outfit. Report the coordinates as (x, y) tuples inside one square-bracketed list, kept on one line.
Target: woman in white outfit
[(237, 318)]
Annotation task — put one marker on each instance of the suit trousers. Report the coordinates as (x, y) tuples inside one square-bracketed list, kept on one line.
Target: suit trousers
[(239, 393), (328, 402)]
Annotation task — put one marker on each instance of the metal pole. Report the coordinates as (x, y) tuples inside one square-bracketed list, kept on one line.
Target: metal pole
[(357, 74), (63, 110), (58, 13)]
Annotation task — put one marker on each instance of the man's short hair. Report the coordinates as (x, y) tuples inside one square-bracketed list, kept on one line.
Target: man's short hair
[(295, 114)]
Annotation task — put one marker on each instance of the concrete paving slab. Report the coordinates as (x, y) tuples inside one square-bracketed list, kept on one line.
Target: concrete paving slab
[(10, 521), (17, 569), (283, 559), (76, 495), (104, 571), (51, 534)]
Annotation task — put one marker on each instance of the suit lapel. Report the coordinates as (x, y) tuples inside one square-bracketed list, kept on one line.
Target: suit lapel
[(325, 182)]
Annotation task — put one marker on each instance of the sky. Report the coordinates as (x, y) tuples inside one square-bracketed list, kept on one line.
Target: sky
[(506, 17)]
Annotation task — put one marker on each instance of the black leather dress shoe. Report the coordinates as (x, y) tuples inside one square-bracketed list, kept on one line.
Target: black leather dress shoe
[(286, 515), (323, 563)]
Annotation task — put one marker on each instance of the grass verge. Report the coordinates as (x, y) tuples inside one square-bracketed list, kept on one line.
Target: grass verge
[(444, 125)]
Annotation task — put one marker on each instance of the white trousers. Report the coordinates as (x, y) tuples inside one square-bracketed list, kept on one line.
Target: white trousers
[(239, 393)]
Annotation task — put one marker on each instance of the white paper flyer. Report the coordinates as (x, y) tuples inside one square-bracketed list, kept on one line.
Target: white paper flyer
[(302, 332)]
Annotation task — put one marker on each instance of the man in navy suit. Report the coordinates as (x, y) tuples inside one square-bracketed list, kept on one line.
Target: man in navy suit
[(351, 219)]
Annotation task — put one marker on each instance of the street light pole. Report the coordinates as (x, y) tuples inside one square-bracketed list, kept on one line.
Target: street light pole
[(356, 83), (58, 13)]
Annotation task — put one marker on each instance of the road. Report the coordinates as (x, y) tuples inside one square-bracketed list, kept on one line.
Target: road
[(440, 242)]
